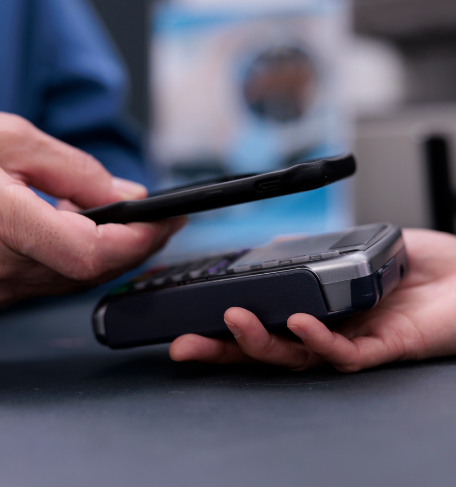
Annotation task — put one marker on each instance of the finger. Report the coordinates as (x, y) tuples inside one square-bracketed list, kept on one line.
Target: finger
[(29, 278), (58, 169), (67, 205), (174, 225), (344, 354), (256, 342), (207, 350), (70, 243)]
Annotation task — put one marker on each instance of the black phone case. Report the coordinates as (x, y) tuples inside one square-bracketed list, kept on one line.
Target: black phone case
[(184, 201)]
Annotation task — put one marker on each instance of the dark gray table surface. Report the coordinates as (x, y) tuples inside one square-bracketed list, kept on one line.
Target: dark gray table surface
[(73, 413)]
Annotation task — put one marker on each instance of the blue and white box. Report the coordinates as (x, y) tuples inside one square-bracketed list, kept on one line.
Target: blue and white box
[(246, 87)]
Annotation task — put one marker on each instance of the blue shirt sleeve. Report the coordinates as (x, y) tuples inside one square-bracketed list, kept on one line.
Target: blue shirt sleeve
[(74, 85)]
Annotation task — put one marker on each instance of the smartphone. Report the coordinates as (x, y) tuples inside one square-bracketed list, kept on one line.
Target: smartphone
[(211, 195), (329, 276)]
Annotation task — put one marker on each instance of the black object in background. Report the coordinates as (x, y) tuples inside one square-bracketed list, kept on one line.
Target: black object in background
[(439, 174), (230, 191), (128, 22)]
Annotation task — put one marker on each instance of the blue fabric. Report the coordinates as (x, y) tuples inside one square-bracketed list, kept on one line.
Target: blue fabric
[(59, 70)]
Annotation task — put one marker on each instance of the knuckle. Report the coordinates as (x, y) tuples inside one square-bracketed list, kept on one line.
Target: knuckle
[(303, 362), (85, 265), (270, 348), (85, 164), (87, 171)]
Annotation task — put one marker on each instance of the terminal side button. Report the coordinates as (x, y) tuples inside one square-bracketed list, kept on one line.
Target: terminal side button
[(301, 260)]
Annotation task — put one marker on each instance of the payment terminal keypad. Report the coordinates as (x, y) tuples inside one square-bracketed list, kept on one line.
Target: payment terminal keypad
[(277, 255), (214, 267)]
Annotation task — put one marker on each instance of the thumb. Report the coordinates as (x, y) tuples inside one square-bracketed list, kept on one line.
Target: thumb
[(58, 169)]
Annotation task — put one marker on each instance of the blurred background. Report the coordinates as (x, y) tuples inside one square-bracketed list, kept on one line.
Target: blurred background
[(243, 86)]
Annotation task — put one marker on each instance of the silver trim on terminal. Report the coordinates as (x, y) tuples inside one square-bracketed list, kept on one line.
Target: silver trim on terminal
[(99, 322), (337, 295), (361, 263), (335, 274)]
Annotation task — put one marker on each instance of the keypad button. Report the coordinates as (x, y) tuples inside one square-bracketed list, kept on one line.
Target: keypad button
[(161, 277), (270, 264), (197, 269), (202, 267), (301, 260), (187, 272), (159, 281), (242, 268), (220, 266), (141, 285), (179, 273), (196, 273)]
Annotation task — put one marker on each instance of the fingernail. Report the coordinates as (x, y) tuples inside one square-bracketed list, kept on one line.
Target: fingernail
[(234, 329), (298, 332), (129, 189)]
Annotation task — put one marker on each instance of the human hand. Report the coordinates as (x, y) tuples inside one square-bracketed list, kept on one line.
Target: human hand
[(417, 321), (44, 251)]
